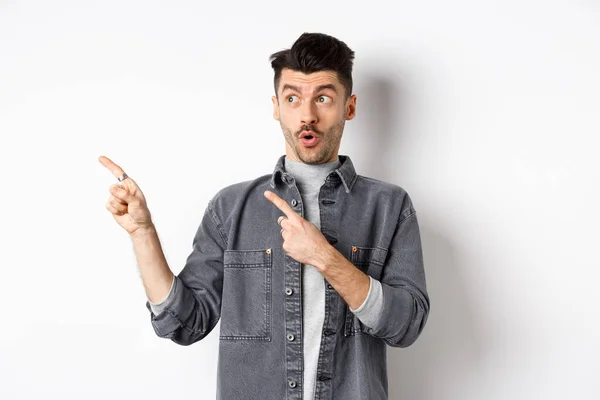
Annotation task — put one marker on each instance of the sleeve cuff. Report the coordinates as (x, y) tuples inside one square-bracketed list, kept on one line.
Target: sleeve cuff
[(157, 308), (370, 310)]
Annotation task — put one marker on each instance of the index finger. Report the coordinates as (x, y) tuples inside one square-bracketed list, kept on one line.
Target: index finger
[(111, 166), (281, 204)]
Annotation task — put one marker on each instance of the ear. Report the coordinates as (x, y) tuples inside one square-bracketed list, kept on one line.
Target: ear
[(275, 108), (351, 107)]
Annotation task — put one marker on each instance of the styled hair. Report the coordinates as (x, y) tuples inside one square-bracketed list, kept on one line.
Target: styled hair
[(313, 52)]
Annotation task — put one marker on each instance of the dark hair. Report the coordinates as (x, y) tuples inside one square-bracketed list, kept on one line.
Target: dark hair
[(313, 52)]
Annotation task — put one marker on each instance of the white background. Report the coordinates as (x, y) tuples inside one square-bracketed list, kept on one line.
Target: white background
[(487, 114)]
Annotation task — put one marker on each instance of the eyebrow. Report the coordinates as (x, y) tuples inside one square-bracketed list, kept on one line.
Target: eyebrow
[(319, 89)]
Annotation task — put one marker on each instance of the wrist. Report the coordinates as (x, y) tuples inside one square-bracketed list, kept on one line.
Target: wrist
[(325, 257), (143, 231)]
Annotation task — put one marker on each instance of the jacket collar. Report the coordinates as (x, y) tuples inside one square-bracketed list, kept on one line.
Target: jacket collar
[(345, 172)]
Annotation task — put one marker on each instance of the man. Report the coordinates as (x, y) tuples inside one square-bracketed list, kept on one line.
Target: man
[(311, 270)]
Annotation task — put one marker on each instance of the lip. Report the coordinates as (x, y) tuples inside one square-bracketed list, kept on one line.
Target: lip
[(309, 142), (307, 133)]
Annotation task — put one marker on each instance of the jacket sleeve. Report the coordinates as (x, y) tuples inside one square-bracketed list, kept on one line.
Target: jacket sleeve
[(193, 308), (405, 300)]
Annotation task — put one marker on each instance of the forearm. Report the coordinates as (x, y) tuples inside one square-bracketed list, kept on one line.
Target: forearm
[(350, 282), (155, 272), (396, 314)]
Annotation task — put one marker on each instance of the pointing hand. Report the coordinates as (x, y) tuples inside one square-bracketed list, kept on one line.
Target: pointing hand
[(302, 240), (126, 203)]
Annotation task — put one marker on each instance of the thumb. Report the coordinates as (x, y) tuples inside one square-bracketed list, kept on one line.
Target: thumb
[(121, 194)]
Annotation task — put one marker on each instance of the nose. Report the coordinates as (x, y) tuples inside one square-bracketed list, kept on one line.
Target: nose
[(309, 113)]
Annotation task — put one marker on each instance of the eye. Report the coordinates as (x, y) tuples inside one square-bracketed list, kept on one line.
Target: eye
[(324, 99), (292, 99)]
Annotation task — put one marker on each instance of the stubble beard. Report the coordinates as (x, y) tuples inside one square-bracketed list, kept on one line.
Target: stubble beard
[(328, 143)]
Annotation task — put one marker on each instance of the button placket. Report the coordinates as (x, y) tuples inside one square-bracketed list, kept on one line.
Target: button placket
[(329, 219), (293, 307)]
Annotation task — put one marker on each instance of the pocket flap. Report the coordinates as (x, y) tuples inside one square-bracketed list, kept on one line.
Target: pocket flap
[(367, 255), (247, 258)]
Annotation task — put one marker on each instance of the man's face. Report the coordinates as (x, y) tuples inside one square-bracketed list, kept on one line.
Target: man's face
[(315, 105)]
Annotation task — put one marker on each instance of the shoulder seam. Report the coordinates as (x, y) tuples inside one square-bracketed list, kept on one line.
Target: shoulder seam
[(412, 213)]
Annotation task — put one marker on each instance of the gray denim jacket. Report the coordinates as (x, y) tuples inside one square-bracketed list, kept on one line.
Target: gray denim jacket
[(238, 272)]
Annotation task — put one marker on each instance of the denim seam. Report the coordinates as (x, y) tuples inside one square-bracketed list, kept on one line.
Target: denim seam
[(215, 219), (267, 338), (174, 315), (240, 265), (412, 212)]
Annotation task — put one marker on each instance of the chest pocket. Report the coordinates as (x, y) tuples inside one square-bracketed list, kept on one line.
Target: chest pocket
[(246, 301), (369, 260)]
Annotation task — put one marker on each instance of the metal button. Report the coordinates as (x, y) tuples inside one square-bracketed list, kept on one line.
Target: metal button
[(288, 291), (291, 337), (268, 251), (354, 249), (329, 286), (294, 203), (292, 384)]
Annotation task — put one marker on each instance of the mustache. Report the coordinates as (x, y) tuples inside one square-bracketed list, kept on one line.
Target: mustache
[(308, 128)]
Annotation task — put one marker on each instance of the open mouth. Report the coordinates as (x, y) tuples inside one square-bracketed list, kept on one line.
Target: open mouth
[(309, 140)]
